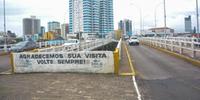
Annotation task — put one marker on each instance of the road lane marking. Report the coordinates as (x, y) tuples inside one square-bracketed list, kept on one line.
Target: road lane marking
[(134, 73), (127, 74), (129, 60), (136, 88)]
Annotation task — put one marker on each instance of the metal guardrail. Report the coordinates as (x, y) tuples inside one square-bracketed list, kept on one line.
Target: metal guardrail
[(39, 45), (76, 47), (181, 43)]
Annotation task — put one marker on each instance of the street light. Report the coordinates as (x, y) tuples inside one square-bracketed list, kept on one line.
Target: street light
[(197, 14), (4, 14), (165, 16)]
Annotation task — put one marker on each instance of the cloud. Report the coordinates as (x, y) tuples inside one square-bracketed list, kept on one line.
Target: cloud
[(12, 9)]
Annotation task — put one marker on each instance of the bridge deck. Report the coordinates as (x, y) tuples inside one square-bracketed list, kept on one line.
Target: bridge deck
[(163, 77)]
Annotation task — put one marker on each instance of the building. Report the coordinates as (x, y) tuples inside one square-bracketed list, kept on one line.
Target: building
[(31, 26), (42, 31), (54, 26), (126, 26), (49, 36), (64, 30), (106, 17), (91, 16), (118, 34), (188, 24), (160, 31)]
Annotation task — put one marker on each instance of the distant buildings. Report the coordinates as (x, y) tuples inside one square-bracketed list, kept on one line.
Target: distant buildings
[(160, 31), (10, 37), (126, 26), (188, 24), (64, 30), (49, 35), (91, 16), (42, 31), (53, 26), (31, 26), (118, 34)]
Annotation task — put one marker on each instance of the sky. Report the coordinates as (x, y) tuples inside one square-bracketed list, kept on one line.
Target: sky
[(57, 10)]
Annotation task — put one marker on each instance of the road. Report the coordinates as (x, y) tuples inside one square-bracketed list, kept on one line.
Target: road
[(4, 63), (163, 77)]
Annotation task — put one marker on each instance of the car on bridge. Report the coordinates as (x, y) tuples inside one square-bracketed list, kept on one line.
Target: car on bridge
[(133, 41), (23, 46)]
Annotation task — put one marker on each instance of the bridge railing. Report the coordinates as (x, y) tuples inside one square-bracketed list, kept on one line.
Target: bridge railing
[(176, 44), (76, 47)]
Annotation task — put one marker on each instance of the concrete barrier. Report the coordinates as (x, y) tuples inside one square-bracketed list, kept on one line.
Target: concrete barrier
[(117, 57), (82, 61), (85, 61)]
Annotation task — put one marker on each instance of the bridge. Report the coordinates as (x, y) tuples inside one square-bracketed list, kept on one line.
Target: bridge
[(159, 69)]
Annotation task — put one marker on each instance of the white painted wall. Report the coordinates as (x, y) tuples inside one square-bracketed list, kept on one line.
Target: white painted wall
[(102, 62)]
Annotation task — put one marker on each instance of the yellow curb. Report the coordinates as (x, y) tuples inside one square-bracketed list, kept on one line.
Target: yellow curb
[(4, 53), (130, 62)]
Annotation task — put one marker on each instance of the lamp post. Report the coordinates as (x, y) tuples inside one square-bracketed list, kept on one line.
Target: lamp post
[(165, 16), (197, 15), (5, 36)]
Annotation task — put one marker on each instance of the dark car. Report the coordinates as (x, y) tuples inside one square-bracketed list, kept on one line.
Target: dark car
[(23, 46)]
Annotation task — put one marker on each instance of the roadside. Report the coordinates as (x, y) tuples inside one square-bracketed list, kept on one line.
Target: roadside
[(4, 63), (68, 86)]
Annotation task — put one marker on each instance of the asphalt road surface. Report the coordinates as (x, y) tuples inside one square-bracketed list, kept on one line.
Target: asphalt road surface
[(163, 77), (5, 63)]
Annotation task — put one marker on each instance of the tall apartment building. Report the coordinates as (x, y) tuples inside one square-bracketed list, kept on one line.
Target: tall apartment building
[(91, 16), (188, 24), (126, 26), (31, 26)]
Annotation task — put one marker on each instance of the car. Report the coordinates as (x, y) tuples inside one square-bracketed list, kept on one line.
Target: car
[(71, 42), (23, 46), (126, 37), (133, 41)]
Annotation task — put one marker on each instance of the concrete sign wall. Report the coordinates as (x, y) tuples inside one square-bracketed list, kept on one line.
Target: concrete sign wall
[(89, 62)]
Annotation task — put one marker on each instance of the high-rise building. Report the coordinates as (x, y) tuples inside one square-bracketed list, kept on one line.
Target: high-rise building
[(53, 26), (64, 30), (126, 26), (188, 24), (42, 31), (106, 16), (31, 26), (91, 16)]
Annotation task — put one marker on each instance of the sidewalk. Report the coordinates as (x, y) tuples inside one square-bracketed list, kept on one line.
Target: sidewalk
[(68, 86)]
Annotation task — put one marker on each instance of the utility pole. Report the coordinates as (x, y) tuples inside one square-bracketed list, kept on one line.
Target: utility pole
[(197, 14), (165, 25), (5, 33)]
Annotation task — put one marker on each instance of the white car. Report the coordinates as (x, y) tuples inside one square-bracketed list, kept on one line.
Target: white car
[(71, 42), (133, 41)]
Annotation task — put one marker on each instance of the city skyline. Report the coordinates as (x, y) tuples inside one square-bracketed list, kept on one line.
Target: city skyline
[(58, 11), (91, 16)]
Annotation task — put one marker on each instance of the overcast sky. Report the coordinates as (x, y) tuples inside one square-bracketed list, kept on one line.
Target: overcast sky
[(57, 10)]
